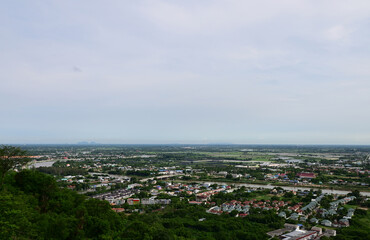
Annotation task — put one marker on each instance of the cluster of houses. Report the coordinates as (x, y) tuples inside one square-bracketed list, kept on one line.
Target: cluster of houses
[(243, 207), (143, 201), (343, 222), (122, 196), (205, 196), (94, 180), (276, 176), (116, 197), (150, 201), (169, 171), (203, 192), (297, 212), (313, 204), (303, 213)]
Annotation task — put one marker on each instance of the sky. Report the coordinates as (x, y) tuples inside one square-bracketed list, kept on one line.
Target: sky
[(220, 71)]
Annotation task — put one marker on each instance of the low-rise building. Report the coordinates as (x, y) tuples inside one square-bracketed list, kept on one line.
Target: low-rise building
[(326, 223)]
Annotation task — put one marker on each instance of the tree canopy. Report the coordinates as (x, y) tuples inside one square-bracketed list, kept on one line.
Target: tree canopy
[(11, 158)]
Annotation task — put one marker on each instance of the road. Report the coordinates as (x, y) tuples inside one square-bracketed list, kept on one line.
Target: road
[(269, 186), (161, 177)]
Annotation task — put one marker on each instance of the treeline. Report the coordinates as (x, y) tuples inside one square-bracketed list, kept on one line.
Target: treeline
[(143, 173), (62, 171)]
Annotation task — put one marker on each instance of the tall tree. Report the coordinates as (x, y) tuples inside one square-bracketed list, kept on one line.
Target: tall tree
[(11, 158)]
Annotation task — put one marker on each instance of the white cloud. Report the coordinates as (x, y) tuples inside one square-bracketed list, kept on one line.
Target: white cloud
[(336, 33)]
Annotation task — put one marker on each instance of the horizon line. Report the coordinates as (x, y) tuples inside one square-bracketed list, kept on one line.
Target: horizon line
[(195, 144)]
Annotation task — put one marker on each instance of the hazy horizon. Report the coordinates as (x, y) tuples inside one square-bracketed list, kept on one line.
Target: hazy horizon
[(188, 144), (160, 72)]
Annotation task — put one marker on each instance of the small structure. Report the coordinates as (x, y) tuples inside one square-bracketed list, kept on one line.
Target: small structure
[(287, 228), (344, 222), (294, 217), (118, 210), (195, 202), (317, 229), (133, 201), (299, 234), (350, 213), (326, 223), (330, 233), (314, 220), (282, 214)]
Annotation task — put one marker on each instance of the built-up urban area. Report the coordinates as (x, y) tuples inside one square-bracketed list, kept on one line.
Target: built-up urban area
[(298, 192)]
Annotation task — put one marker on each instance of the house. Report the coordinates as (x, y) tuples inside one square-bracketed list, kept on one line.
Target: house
[(294, 217), (330, 233), (147, 201), (350, 213), (118, 210), (317, 229), (195, 202), (314, 220), (344, 222), (282, 214), (326, 223), (215, 210), (324, 212), (163, 201), (133, 201), (332, 212), (223, 173)]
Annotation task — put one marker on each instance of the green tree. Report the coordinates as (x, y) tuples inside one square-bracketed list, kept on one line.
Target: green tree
[(43, 186), (355, 193), (16, 216), (233, 213), (11, 158)]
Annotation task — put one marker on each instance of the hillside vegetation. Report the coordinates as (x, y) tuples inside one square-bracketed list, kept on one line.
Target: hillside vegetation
[(32, 206)]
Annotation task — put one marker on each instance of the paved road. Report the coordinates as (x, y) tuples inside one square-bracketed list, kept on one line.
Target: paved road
[(161, 177), (339, 192)]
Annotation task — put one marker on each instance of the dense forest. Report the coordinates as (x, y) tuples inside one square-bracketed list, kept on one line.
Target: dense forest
[(32, 206)]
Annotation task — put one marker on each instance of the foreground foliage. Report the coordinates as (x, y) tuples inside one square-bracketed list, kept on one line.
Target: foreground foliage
[(32, 206), (11, 158)]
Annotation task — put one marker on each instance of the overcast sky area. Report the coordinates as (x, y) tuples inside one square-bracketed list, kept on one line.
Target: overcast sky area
[(212, 71)]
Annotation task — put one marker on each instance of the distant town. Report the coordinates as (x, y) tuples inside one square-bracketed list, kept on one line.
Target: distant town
[(315, 191)]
